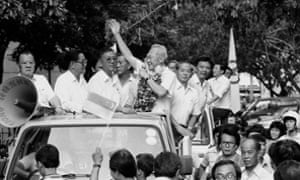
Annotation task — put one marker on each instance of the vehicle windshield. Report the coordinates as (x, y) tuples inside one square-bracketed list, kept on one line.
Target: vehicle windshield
[(76, 144)]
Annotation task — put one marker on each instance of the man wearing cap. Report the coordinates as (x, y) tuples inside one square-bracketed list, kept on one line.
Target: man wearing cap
[(290, 119)]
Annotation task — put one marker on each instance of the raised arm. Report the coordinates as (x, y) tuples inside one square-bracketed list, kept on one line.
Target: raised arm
[(115, 29)]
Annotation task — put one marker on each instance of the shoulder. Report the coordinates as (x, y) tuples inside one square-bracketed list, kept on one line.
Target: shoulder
[(39, 77), (168, 73)]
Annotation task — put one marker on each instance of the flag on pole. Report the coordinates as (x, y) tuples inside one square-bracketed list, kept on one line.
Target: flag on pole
[(100, 106), (234, 79)]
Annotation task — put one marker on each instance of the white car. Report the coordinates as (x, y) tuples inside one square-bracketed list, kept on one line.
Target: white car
[(77, 136)]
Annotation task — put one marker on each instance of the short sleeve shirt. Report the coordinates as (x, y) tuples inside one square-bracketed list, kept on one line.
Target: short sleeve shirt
[(44, 90)]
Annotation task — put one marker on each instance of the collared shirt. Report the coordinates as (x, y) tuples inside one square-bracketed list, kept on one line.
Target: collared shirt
[(71, 92), (128, 91), (184, 102), (105, 86), (168, 78), (202, 88), (221, 87), (258, 173), (162, 178), (235, 158), (44, 90), (294, 138)]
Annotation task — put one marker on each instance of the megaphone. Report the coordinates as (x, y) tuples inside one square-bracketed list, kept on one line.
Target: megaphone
[(18, 101)]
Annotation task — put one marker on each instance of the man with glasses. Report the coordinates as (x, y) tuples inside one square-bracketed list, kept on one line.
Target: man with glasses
[(250, 149), (104, 82), (226, 170), (71, 87), (229, 141)]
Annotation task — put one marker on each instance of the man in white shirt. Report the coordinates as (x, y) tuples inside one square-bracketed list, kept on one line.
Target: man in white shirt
[(199, 79), (185, 106), (220, 94), (154, 64), (71, 87), (126, 84), (46, 96), (104, 83), (250, 149)]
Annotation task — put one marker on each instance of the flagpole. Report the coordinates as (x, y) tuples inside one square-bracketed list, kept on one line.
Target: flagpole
[(234, 79)]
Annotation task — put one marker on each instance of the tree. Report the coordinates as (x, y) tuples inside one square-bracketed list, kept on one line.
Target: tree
[(267, 35)]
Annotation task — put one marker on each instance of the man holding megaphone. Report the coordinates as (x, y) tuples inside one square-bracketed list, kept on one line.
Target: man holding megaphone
[(46, 95)]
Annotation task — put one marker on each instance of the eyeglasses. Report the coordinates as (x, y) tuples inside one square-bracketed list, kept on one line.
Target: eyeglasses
[(82, 62), (227, 143), (229, 176)]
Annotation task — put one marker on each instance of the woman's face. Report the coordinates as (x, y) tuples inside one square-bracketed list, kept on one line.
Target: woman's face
[(274, 133), (290, 124)]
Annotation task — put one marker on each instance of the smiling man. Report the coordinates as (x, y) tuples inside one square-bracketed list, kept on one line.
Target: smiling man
[(185, 105), (153, 71)]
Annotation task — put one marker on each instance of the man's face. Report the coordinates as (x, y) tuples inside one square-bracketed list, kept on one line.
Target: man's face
[(122, 65), (203, 69), (153, 58), (108, 62), (217, 70), (225, 172), (184, 72), (172, 66), (250, 154), (228, 144), (27, 65), (80, 65)]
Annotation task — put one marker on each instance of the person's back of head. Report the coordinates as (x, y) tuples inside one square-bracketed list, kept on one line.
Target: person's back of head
[(145, 163), (288, 170), (123, 162), (167, 164), (284, 150), (48, 155), (256, 129)]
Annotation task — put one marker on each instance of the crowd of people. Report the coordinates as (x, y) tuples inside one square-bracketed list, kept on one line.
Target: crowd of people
[(180, 89)]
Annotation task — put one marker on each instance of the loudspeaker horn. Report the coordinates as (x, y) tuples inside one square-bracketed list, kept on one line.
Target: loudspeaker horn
[(18, 101)]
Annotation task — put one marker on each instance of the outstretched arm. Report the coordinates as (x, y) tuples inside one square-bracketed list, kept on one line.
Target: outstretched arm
[(115, 29)]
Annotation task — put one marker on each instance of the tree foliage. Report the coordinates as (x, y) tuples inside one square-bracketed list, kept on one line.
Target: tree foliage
[(266, 31)]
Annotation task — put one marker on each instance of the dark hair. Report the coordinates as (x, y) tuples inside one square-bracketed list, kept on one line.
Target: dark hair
[(203, 59), (48, 155), (166, 164), (226, 162), (145, 162), (103, 51), (256, 128), (279, 125), (284, 150), (20, 52), (70, 56), (222, 67), (231, 130), (123, 162), (288, 170), (217, 130), (184, 62)]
